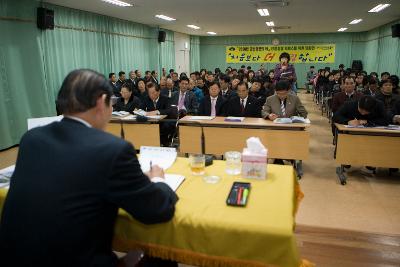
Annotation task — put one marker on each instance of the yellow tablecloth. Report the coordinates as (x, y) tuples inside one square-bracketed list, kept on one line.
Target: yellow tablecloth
[(207, 232)]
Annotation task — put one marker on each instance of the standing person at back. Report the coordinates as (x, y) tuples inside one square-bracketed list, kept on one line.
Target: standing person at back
[(66, 190), (283, 104), (286, 71), (243, 104)]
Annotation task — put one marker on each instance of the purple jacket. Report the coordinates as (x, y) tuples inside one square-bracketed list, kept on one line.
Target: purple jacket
[(279, 73)]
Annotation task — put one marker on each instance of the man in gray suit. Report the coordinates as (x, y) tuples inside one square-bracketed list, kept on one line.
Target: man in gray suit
[(283, 104), (184, 99)]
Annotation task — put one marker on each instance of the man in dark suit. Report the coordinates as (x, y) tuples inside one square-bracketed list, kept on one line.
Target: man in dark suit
[(170, 89), (226, 92), (184, 99), (121, 79), (365, 111), (349, 94), (112, 79), (62, 205), (212, 104), (132, 83), (243, 105), (154, 78)]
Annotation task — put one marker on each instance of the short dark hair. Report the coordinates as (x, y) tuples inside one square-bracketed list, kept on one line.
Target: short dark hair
[(121, 73), (214, 83), (282, 85), (153, 72), (171, 70), (225, 78), (349, 77), (147, 72), (341, 66), (153, 85), (80, 90), (127, 86), (311, 67), (284, 55), (136, 72), (110, 75), (381, 83), (243, 66), (385, 73), (367, 103), (395, 80), (183, 78), (248, 67), (243, 83)]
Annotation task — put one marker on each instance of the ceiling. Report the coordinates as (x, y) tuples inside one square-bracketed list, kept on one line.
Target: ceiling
[(240, 17)]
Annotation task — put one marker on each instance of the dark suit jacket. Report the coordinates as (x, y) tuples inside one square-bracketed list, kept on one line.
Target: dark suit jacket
[(252, 108), (165, 91), (133, 104), (116, 90), (162, 105), (340, 98), (388, 101), (119, 84), (154, 80), (133, 86), (65, 194), (191, 104), (205, 106), (349, 111), (230, 93)]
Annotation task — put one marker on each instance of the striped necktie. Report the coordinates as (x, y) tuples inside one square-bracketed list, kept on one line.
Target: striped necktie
[(283, 109)]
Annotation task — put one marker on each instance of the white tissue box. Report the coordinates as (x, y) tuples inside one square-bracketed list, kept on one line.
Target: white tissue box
[(254, 165)]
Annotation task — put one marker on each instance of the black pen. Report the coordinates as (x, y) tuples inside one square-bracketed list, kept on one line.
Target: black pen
[(151, 165)]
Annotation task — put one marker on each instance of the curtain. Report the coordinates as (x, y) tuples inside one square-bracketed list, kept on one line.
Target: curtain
[(167, 52), (194, 53)]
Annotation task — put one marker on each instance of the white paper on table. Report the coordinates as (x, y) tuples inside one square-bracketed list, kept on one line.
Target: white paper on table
[(155, 117), (200, 118), (161, 156), (129, 117), (6, 173), (174, 180), (37, 122), (120, 113)]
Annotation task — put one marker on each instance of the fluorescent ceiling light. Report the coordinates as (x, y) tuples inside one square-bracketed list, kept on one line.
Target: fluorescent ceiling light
[(270, 23), (165, 17), (355, 21), (379, 8), (117, 3), (212, 33), (342, 29), (193, 27), (272, 30), (263, 12)]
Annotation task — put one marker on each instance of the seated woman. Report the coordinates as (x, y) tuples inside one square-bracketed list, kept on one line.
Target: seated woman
[(127, 102)]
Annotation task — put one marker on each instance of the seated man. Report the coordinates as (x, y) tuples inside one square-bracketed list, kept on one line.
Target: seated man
[(386, 96), (283, 104), (396, 113), (310, 80), (366, 111), (169, 89), (212, 104), (157, 104), (62, 205), (185, 100), (224, 85), (348, 94), (243, 105)]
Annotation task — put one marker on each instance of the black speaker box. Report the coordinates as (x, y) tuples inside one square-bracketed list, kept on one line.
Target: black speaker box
[(161, 36), (357, 65), (396, 30), (45, 18)]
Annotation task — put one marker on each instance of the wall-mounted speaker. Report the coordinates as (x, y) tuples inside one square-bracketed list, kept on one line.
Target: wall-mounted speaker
[(396, 30), (45, 18), (161, 36)]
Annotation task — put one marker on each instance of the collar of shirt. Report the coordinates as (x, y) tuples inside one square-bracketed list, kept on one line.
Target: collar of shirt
[(349, 95), (244, 101), (79, 120), (214, 98), (224, 91), (156, 100)]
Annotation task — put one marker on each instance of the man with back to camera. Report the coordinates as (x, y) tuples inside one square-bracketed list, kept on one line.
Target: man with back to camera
[(70, 180)]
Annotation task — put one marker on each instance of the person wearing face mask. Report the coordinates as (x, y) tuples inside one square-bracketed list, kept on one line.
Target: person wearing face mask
[(286, 71), (386, 95)]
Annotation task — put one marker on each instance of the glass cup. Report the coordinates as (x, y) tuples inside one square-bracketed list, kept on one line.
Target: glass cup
[(233, 162), (197, 164)]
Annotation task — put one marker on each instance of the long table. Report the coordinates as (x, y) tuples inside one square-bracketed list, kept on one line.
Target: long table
[(283, 141), (138, 133), (206, 232), (375, 147)]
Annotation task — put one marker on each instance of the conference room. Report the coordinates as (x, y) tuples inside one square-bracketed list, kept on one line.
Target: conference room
[(199, 133)]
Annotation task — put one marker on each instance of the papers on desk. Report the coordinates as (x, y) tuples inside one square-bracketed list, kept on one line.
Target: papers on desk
[(5, 176), (200, 118), (293, 119), (154, 117), (234, 119), (161, 156), (174, 180), (37, 122), (120, 113), (129, 117), (389, 127)]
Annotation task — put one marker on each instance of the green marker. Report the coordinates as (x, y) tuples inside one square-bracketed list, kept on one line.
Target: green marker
[(245, 194)]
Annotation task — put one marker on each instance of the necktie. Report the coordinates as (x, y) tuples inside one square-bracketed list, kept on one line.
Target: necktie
[(181, 103), (213, 112), (169, 93), (283, 108), (155, 104), (241, 105)]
